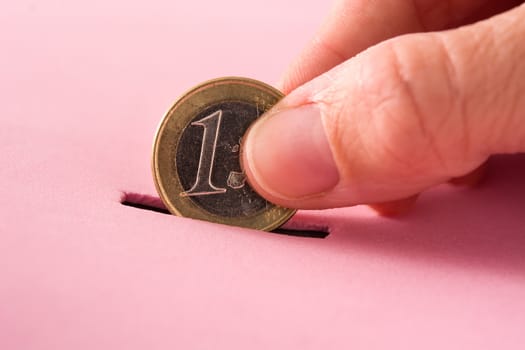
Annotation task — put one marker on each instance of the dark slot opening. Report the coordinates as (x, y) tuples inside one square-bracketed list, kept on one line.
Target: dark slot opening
[(154, 204), (301, 233), (146, 207)]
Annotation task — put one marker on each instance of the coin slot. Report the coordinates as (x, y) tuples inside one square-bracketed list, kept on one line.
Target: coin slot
[(144, 202), (154, 204), (146, 207), (302, 233)]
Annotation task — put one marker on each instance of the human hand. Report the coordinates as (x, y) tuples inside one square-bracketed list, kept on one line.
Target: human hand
[(410, 95)]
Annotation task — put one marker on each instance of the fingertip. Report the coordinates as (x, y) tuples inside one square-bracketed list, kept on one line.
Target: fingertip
[(473, 178), (395, 208)]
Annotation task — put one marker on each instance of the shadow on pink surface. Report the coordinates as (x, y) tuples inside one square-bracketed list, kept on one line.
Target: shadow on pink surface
[(479, 228)]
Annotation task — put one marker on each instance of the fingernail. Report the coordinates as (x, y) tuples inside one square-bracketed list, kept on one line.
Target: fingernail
[(287, 154)]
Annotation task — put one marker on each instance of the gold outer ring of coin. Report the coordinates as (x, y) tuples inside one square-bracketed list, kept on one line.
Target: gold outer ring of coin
[(170, 131)]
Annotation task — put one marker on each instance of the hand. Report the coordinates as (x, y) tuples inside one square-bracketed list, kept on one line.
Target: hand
[(410, 95)]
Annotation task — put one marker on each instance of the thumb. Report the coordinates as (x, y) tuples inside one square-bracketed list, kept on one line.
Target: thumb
[(396, 119)]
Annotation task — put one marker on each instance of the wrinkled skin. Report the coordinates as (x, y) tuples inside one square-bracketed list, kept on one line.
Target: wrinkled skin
[(391, 98)]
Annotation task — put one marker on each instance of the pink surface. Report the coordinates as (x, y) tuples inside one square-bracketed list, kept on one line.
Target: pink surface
[(82, 88)]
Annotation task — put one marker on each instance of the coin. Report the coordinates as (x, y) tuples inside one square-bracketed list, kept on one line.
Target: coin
[(196, 154)]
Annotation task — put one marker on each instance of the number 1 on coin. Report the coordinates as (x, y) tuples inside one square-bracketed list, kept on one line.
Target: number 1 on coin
[(203, 185)]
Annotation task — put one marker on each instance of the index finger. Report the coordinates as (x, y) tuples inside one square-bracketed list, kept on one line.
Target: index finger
[(354, 25)]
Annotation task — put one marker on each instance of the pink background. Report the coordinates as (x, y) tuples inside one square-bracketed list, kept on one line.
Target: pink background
[(83, 85)]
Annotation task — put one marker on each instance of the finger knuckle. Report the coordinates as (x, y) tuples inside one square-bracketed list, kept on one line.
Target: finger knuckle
[(421, 98)]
